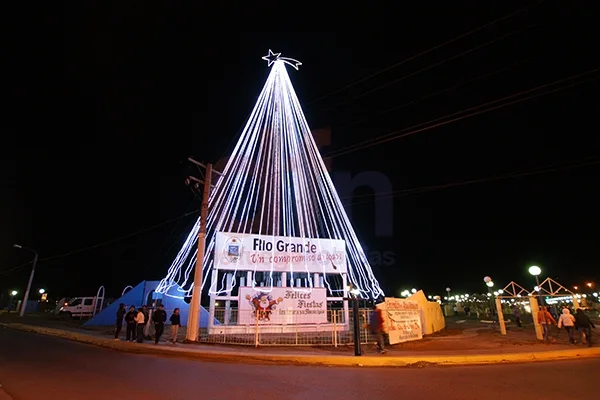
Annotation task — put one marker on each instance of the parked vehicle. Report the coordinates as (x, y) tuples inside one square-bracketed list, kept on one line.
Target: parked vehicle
[(78, 307)]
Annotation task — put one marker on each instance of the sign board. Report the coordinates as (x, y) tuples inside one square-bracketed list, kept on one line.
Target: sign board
[(246, 252), (282, 306), (402, 320)]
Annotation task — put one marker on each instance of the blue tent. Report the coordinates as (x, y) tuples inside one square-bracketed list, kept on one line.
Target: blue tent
[(144, 294)]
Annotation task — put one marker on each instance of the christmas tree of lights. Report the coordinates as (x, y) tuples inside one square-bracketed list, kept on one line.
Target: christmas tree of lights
[(274, 184)]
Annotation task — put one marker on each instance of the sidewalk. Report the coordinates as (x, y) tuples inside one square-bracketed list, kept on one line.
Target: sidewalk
[(447, 354)]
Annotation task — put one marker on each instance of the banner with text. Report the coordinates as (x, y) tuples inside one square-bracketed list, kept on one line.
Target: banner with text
[(236, 251), (402, 320), (282, 306)]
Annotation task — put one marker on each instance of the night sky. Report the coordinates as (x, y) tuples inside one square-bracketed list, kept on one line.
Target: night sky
[(106, 104)]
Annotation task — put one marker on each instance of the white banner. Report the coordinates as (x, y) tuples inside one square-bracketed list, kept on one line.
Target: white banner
[(236, 251), (282, 306), (402, 319)]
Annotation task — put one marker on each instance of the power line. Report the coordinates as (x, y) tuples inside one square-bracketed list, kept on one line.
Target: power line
[(105, 243), (422, 189), (436, 93), (419, 127), (387, 195), (375, 89), (381, 71)]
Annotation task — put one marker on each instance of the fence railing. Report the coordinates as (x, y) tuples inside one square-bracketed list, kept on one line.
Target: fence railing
[(284, 328)]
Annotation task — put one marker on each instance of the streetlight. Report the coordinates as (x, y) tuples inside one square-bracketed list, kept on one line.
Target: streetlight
[(35, 259), (536, 271), (13, 293), (448, 290), (42, 291), (490, 284), (589, 284), (413, 291), (354, 293)]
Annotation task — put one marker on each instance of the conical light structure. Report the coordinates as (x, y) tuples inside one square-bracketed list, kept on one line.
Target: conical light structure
[(275, 184)]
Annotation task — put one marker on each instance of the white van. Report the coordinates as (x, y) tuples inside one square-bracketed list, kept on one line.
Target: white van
[(78, 307)]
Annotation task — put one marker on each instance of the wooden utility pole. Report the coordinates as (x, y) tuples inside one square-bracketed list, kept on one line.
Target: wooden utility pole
[(193, 324)]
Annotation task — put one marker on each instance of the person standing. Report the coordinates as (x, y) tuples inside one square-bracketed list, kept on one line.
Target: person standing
[(120, 315), (140, 319), (546, 320), (175, 324), (517, 314), (377, 329), (584, 325), (130, 325), (568, 321), (159, 317)]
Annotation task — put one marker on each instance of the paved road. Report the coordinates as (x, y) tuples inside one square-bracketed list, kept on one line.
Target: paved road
[(41, 367)]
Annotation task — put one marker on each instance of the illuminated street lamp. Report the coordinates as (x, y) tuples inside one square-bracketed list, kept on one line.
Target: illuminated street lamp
[(590, 284), (536, 271), (490, 284), (42, 291), (354, 293), (448, 290), (413, 291), (13, 293)]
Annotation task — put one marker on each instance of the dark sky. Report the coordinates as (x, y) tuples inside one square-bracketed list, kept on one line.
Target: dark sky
[(107, 103)]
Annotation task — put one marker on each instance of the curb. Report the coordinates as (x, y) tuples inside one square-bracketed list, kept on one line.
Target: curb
[(318, 360)]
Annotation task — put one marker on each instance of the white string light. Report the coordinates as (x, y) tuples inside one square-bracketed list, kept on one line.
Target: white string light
[(274, 184)]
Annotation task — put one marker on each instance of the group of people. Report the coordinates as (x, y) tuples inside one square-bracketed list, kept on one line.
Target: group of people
[(135, 322), (580, 322)]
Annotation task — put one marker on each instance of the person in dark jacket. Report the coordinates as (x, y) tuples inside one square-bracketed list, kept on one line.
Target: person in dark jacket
[(377, 328), (159, 317), (175, 324), (584, 325), (517, 314), (130, 325), (120, 315)]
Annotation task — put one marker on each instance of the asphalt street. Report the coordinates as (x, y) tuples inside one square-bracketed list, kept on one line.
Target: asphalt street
[(34, 366)]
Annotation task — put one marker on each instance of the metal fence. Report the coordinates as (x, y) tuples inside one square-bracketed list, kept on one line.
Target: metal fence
[(293, 330)]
